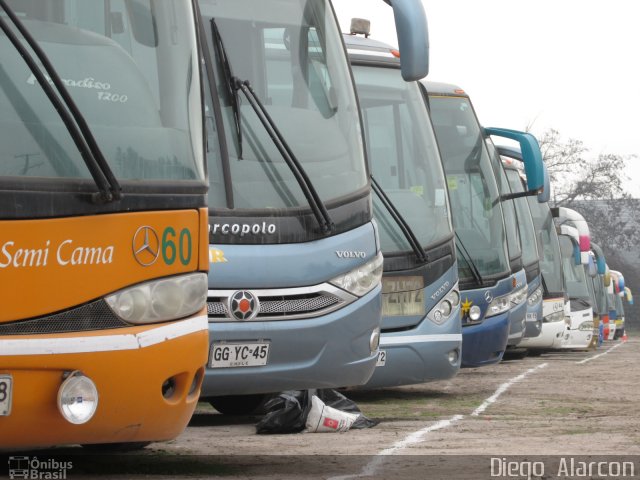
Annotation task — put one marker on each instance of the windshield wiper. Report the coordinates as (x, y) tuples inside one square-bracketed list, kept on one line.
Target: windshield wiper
[(310, 193), (544, 284), (232, 92), (234, 84), (399, 219), (74, 121), (472, 266)]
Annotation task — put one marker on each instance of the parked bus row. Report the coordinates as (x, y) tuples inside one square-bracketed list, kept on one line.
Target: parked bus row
[(359, 227)]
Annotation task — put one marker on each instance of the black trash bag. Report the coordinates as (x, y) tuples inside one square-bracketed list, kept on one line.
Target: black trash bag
[(287, 413)]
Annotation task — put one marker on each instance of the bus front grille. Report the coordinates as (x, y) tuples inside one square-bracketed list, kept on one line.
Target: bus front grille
[(281, 304)]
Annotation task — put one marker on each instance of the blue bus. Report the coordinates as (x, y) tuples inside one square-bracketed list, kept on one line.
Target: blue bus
[(421, 332), (489, 290), (294, 297), (530, 254), (601, 309), (518, 311)]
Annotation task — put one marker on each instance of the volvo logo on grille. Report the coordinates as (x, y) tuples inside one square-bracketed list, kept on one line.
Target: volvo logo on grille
[(243, 305), (487, 296), (146, 246)]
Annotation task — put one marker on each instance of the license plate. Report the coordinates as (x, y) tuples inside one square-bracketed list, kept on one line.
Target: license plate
[(382, 358), (532, 317), (6, 384), (403, 296), (232, 355)]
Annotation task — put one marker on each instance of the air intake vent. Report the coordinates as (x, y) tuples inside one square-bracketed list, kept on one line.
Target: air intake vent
[(92, 316)]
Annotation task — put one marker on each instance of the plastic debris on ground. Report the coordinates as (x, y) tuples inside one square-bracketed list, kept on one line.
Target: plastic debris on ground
[(321, 410)]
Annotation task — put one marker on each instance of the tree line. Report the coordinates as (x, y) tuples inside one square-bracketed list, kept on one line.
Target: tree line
[(594, 185)]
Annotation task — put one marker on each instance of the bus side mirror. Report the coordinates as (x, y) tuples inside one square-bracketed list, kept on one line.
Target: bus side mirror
[(592, 271), (545, 194), (413, 38), (531, 154)]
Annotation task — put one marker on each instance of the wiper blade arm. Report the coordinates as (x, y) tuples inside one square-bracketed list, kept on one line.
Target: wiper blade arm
[(232, 90), (544, 284), (68, 111), (399, 219), (310, 193), (467, 257)]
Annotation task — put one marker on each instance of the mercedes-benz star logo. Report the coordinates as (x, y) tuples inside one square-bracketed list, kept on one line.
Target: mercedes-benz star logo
[(244, 305), (146, 246), (487, 296)]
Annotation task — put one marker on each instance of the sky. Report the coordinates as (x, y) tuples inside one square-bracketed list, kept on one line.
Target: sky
[(571, 65)]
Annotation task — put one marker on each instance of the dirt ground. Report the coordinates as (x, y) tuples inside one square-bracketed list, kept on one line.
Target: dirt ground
[(563, 403)]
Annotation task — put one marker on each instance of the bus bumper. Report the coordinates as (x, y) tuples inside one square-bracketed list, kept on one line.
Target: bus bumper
[(577, 339), (330, 351), (533, 325), (517, 325), (128, 366), (550, 338), (485, 343), (425, 353)]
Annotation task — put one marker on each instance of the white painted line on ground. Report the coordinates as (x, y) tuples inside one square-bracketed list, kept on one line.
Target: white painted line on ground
[(418, 436), (599, 355), (503, 388)]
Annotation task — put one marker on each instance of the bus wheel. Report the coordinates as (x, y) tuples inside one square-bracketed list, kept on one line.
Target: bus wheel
[(237, 404), (115, 447)]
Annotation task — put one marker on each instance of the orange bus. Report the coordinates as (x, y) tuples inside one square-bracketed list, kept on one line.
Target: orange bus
[(103, 222)]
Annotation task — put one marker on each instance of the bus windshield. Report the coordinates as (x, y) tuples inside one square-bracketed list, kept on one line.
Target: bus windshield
[(514, 245), (601, 294), (475, 200), (132, 70), (574, 275), (592, 290), (525, 222), (548, 246), (292, 55), (619, 307), (404, 159)]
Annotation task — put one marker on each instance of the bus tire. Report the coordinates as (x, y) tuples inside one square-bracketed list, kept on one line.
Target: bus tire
[(237, 404)]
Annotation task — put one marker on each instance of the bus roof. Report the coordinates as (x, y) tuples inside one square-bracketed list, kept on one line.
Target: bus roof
[(370, 51), (440, 88)]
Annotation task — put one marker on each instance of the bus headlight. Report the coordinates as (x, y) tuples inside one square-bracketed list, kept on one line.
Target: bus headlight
[(499, 305), (519, 296), (586, 326), (77, 398), (535, 297), (442, 311), (361, 280), (554, 317), (161, 300)]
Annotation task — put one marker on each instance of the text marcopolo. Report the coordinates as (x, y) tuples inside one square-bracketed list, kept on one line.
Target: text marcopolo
[(243, 229)]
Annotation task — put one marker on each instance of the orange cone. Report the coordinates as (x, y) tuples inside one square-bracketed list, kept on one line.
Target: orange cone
[(624, 337)]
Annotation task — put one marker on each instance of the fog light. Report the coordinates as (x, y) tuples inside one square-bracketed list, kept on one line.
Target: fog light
[(77, 398), (474, 313), (374, 342), (453, 357)]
